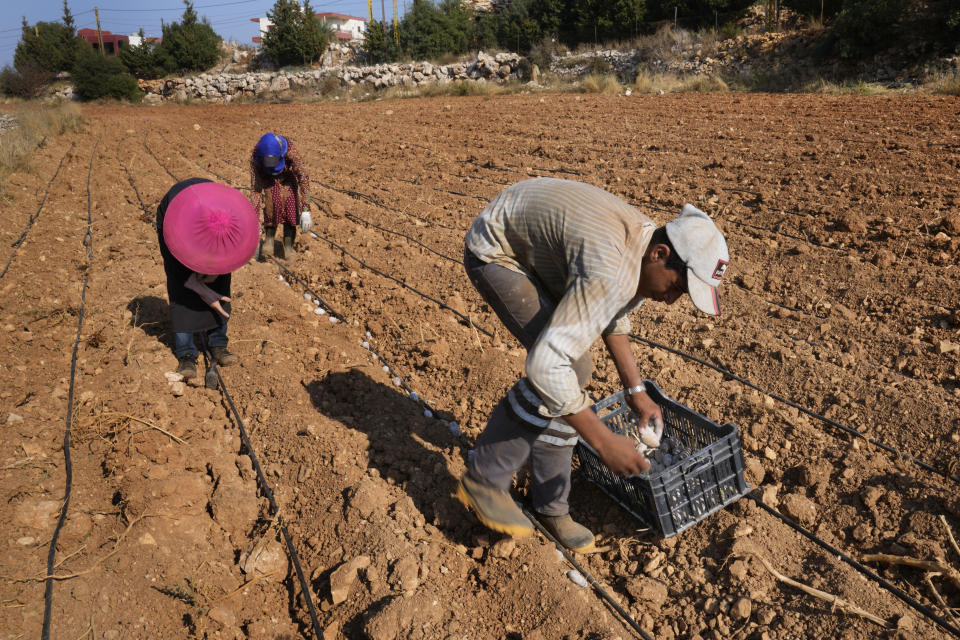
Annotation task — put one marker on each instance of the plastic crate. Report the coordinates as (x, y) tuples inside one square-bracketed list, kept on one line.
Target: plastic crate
[(673, 499)]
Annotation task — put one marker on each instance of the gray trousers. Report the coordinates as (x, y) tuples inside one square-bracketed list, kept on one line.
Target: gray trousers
[(507, 444)]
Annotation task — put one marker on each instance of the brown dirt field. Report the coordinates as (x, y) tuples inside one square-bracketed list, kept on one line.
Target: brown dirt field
[(842, 296)]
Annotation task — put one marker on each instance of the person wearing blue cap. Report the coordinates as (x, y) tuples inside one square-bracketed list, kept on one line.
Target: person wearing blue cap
[(281, 186)]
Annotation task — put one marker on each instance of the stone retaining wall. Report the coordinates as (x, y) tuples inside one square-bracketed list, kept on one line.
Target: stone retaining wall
[(226, 87)]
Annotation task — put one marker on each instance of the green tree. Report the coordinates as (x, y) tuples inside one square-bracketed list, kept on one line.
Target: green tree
[(141, 59), (814, 8), (522, 24), (96, 76), (188, 45), (379, 43), (597, 21), (297, 36), (864, 26), (48, 46), (428, 31)]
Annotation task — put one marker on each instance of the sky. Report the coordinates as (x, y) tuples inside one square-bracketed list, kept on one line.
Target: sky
[(229, 18)]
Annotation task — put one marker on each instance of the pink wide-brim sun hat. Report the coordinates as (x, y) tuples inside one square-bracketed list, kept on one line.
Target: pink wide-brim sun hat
[(211, 228)]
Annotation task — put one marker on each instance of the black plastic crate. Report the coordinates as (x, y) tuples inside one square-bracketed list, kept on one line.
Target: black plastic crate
[(672, 499)]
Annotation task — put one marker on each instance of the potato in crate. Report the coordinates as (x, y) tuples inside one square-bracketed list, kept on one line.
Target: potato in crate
[(701, 473)]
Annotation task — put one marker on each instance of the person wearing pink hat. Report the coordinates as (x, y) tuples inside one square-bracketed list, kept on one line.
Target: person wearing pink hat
[(206, 231), (280, 184)]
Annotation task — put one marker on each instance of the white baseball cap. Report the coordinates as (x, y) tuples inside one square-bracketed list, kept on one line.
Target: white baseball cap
[(701, 246)]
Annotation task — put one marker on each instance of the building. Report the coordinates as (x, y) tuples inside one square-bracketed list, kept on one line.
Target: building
[(112, 42), (136, 40), (345, 27)]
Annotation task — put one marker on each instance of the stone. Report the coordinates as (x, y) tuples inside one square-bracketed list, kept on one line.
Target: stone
[(769, 495), (222, 614), (799, 508), (738, 569), (647, 590), (270, 558), (711, 606), (405, 574), (503, 548), (39, 515), (753, 471), (344, 577), (741, 609)]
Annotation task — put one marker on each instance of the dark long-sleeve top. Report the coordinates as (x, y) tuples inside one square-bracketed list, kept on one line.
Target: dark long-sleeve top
[(188, 312)]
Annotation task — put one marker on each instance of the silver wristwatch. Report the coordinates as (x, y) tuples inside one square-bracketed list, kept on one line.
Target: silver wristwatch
[(637, 389)]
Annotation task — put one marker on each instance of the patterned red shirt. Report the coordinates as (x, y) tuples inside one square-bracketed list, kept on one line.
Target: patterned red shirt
[(289, 192)]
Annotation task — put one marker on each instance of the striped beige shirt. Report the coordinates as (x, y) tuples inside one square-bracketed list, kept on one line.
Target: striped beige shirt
[(584, 246)]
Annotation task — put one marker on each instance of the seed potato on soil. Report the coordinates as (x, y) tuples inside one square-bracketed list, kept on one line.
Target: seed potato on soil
[(839, 213)]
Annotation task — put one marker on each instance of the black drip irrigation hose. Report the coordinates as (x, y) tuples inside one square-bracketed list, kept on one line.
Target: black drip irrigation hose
[(200, 166), (813, 414), (419, 183), (23, 235), (154, 156), (402, 235), (293, 276), (274, 509), (68, 463), (925, 610), (404, 285), (596, 585), (378, 203), (143, 206)]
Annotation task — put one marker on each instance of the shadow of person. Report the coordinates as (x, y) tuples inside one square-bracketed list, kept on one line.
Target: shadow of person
[(151, 315), (406, 447)]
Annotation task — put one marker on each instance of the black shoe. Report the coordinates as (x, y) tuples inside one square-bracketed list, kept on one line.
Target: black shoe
[(223, 356), (187, 367)]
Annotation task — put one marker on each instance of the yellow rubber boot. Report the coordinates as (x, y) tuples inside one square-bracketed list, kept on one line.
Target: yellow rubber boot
[(494, 508)]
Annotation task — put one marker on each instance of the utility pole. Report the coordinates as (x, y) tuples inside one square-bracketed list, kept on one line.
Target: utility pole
[(383, 14), (396, 33), (96, 12), (369, 11)]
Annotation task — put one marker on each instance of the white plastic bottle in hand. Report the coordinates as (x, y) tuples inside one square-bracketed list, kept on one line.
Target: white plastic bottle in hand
[(306, 222)]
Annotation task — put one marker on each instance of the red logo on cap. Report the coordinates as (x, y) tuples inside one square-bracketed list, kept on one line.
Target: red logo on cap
[(720, 270)]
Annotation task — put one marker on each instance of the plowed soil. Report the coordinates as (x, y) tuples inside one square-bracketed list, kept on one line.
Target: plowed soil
[(841, 297)]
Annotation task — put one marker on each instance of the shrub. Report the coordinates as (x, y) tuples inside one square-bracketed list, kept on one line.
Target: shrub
[(27, 82), (542, 53), (96, 76), (596, 83), (599, 65)]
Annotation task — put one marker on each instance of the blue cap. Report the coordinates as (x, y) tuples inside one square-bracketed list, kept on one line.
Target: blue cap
[(270, 152)]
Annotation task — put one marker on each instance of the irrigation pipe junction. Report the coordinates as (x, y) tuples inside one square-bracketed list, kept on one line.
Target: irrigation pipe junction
[(428, 409)]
